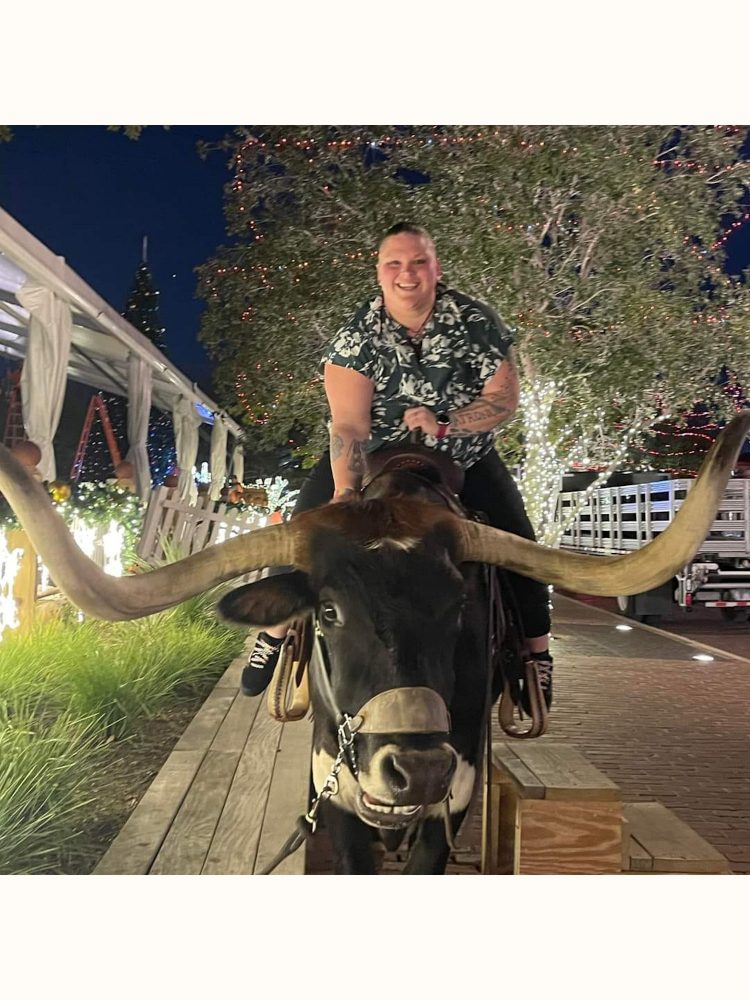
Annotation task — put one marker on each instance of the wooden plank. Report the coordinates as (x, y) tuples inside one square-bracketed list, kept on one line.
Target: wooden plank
[(565, 773), (570, 838), (506, 762), (138, 843), (163, 532), (235, 729), (151, 522), (233, 674), (288, 798), (185, 525), (639, 860), (204, 726), (673, 845), (186, 845), (200, 533), (235, 844)]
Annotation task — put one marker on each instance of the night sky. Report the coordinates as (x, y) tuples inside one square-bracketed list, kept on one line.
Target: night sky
[(91, 196)]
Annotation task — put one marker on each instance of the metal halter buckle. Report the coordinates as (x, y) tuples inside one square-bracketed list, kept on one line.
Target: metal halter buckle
[(345, 733)]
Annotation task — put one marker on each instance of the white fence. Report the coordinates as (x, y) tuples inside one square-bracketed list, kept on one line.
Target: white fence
[(171, 523)]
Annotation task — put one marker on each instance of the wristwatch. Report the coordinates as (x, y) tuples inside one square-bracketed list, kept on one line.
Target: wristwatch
[(443, 422)]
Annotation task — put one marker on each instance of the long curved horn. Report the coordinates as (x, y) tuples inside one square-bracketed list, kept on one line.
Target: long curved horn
[(117, 599), (634, 572)]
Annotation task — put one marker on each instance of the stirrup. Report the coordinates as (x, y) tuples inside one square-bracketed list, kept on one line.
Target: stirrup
[(288, 696), (539, 712)]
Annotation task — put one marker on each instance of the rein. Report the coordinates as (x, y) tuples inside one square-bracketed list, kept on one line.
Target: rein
[(307, 824)]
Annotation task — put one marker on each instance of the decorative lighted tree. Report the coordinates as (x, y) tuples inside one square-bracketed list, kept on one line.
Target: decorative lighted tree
[(601, 246), (142, 307), (142, 310)]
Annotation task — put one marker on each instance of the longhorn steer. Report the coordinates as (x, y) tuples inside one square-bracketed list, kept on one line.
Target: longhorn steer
[(403, 615), (404, 627)]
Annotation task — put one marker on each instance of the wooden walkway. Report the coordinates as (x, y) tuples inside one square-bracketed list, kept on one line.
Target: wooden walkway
[(222, 802)]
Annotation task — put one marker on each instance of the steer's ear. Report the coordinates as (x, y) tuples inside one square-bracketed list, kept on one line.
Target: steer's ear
[(269, 602)]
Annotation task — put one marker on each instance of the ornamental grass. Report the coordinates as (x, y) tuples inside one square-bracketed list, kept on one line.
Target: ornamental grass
[(118, 672), (67, 688), (45, 770)]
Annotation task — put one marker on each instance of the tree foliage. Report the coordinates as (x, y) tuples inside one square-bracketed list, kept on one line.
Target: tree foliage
[(600, 245)]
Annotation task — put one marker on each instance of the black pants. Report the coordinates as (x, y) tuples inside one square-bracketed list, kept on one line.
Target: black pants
[(489, 488)]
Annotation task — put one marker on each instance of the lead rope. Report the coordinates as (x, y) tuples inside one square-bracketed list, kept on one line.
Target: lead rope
[(493, 628), (307, 824)]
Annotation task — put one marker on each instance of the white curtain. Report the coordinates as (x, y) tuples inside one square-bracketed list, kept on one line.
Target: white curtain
[(45, 370), (139, 410), (238, 463), (186, 424), (218, 457)]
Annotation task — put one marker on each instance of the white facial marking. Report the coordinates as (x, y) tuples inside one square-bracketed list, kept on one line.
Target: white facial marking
[(395, 543)]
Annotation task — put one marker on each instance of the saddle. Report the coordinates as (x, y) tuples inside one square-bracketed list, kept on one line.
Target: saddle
[(418, 459)]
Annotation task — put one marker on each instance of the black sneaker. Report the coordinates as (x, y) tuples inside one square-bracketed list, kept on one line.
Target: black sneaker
[(260, 667), (544, 664)]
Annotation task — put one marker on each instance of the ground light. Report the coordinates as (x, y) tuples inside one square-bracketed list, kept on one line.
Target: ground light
[(624, 628), (704, 657)]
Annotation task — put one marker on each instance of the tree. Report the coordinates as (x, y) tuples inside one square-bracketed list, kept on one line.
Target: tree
[(142, 307), (600, 245), (142, 311)]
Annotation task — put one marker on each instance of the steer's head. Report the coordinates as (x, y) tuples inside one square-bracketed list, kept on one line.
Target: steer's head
[(388, 613)]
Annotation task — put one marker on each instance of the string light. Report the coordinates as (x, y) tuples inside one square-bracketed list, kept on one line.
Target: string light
[(10, 563), (737, 224)]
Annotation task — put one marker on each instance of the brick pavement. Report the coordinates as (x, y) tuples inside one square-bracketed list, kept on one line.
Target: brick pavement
[(660, 724)]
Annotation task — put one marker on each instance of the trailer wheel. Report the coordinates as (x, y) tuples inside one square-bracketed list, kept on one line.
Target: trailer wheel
[(626, 607), (622, 604), (734, 614)]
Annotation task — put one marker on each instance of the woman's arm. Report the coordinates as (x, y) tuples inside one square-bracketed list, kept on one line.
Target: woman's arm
[(497, 403), (350, 399)]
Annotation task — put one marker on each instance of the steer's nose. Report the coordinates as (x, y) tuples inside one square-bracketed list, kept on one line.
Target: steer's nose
[(412, 777)]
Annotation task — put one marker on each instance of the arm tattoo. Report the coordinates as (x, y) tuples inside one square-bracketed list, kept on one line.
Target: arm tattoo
[(337, 446), (495, 407), (356, 461)]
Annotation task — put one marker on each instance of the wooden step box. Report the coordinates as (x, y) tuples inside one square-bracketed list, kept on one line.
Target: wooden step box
[(549, 811)]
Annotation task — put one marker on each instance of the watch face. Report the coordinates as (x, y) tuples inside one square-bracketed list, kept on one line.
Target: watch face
[(443, 419)]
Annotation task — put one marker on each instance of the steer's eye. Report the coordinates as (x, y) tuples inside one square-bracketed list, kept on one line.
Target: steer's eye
[(329, 614)]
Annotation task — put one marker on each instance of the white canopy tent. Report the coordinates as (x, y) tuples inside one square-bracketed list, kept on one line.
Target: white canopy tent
[(104, 347)]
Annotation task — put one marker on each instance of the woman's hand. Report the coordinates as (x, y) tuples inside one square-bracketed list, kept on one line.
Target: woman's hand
[(340, 496), (421, 418)]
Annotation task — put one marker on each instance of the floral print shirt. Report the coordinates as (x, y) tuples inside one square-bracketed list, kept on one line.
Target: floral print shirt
[(463, 344)]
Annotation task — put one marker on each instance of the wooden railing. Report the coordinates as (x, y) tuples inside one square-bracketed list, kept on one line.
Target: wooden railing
[(171, 524)]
